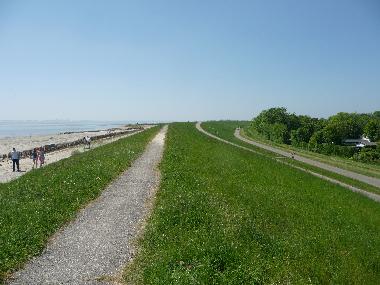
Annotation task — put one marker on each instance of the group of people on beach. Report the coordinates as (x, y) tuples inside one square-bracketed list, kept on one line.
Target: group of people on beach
[(38, 155)]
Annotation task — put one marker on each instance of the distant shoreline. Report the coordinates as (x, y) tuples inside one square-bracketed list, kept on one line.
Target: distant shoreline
[(56, 140), (15, 129), (57, 147)]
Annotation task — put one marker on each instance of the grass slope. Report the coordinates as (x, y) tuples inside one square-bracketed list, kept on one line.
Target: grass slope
[(227, 216), (34, 206), (225, 130), (369, 169)]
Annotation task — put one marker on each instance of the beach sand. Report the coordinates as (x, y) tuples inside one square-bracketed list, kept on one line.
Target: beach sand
[(24, 143)]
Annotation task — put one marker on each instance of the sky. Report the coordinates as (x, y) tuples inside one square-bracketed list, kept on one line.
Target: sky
[(187, 60)]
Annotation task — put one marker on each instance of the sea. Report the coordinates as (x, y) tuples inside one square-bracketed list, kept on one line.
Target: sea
[(10, 128)]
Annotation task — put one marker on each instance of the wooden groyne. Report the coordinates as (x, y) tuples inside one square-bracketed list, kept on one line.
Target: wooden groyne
[(54, 147)]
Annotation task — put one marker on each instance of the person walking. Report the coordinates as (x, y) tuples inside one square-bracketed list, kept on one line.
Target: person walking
[(88, 139), (35, 157), (15, 155), (41, 156), (87, 142)]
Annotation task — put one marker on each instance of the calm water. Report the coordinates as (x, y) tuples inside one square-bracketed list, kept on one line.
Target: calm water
[(27, 128)]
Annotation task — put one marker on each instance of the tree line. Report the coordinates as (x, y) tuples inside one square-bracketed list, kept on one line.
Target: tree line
[(321, 135)]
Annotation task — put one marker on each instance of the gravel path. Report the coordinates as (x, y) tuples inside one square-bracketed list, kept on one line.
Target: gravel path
[(370, 195), (97, 245), (363, 178)]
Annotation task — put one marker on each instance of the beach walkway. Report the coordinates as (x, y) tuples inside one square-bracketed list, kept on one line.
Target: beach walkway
[(95, 247), (370, 195)]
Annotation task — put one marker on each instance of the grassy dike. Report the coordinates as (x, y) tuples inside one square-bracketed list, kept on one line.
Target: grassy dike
[(226, 129), (227, 216), (37, 204)]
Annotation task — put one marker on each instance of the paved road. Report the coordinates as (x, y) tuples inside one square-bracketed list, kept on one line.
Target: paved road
[(363, 178), (98, 242), (370, 195)]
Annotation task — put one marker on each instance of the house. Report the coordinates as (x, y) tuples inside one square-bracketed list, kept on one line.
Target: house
[(360, 143)]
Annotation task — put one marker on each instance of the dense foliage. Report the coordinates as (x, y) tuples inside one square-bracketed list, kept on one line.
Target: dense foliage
[(321, 135), (227, 216), (37, 204)]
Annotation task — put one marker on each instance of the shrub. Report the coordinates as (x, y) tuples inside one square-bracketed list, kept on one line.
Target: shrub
[(368, 155), (332, 149)]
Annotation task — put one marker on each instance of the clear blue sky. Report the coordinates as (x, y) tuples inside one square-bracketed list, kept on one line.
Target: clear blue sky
[(187, 60)]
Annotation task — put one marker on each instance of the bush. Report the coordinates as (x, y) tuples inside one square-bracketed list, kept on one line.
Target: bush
[(279, 133), (332, 149), (368, 155)]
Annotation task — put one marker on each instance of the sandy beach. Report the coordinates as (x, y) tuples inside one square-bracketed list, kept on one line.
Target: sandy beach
[(25, 143)]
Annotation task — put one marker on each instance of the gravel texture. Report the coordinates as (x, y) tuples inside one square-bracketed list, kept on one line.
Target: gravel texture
[(98, 244), (370, 195)]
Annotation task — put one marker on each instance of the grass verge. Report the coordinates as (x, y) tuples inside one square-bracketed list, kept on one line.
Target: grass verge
[(225, 130), (37, 204), (227, 216)]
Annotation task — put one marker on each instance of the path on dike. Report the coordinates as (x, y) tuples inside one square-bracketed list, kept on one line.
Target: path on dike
[(98, 244), (370, 195)]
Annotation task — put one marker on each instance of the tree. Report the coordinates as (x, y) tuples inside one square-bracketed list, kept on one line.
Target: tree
[(293, 122), (273, 124), (372, 129), (279, 133), (376, 114), (278, 125), (316, 139), (302, 134), (270, 117), (342, 126)]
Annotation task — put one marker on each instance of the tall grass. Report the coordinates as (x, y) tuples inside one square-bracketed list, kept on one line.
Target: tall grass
[(36, 205), (227, 216)]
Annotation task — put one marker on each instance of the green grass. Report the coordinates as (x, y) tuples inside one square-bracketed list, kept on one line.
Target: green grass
[(369, 169), (344, 179), (37, 204), (225, 130), (224, 215)]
